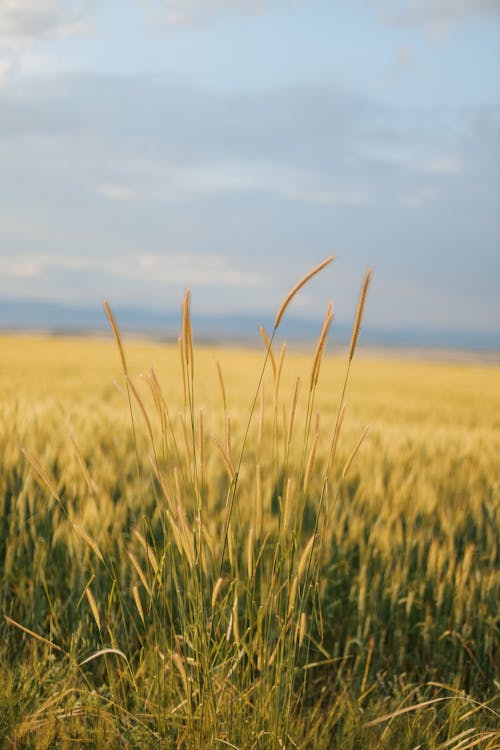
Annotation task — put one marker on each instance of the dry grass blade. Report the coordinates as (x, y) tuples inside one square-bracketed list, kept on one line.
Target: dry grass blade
[(116, 334), (470, 738), (293, 409), (152, 560), (479, 739), (321, 347), (367, 665), (183, 368), (250, 560), (185, 535), (139, 571), (359, 313), (463, 735), (292, 596), (297, 288), (335, 438), (310, 462), (323, 662), (227, 459), (222, 741), (287, 504), (409, 709), (229, 451), (33, 634), (143, 412), (88, 540), (93, 607), (267, 343), (138, 603), (222, 387), (83, 466), (43, 476), (46, 480), (216, 590), (160, 404), (354, 452), (258, 502), (304, 558), (179, 663), (302, 628), (104, 652), (187, 333)]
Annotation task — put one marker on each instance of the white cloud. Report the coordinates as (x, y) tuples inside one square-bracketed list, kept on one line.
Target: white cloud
[(418, 160), (404, 59), (436, 17), (442, 167), (22, 22), (118, 192), (232, 177), (24, 267), (187, 12), (29, 19), (140, 267), (326, 197), (291, 184), (6, 67)]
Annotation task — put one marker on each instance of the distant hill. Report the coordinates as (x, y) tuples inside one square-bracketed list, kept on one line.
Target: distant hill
[(23, 315)]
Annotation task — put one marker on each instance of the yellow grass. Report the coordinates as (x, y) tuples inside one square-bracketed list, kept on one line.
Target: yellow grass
[(376, 578)]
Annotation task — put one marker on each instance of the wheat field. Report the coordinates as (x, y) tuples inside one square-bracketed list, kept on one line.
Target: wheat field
[(190, 560)]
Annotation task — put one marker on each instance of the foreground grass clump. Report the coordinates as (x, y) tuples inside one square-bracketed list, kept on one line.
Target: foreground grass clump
[(175, 575)]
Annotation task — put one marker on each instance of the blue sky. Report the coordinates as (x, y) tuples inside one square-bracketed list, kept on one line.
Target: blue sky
[(229, 145)]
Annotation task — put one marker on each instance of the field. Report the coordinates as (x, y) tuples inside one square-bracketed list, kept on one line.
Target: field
[(168, 582)]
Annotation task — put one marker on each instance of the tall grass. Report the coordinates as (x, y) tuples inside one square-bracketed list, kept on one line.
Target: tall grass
[(210, 576)]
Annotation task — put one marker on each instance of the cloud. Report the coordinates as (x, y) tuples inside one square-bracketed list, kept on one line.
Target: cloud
[(436, 17), (442, 167), (296, 140), (118, 192), (313, 127), (292, 184), (188, 12), (27, 267), (112, 174), (405, 58), (239, 178), (7, 67), (29, 19), (136, 267), (22, 22), (419, 197), (140, 140)]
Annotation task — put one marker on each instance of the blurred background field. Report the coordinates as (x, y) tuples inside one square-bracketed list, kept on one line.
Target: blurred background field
[(403, 604)]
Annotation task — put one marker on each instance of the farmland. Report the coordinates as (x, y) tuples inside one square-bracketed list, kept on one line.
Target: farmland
[(188, 560)]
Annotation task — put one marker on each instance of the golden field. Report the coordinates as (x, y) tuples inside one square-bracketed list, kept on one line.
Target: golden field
[(167, 582)]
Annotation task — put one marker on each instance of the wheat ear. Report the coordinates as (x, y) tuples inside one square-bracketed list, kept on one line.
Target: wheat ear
[(359, 313), (298, 286), (116, 334)]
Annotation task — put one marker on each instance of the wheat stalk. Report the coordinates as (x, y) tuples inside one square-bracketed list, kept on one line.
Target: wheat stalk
[(299, 286), (116, 334), (359, 313), (321, 346)]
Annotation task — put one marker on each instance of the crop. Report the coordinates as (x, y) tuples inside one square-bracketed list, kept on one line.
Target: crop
[(217, 553)]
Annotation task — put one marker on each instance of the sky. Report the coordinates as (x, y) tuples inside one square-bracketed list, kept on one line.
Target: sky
[(228, 146)]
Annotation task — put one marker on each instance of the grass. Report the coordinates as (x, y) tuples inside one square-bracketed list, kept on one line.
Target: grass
[(175, 574)]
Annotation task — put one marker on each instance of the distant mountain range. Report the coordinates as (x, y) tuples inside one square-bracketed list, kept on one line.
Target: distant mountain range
[(23, 315)]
